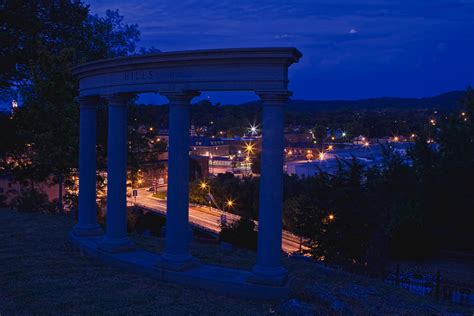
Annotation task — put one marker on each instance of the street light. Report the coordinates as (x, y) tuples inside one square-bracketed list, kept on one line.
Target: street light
[(253, 129), (229, 203), (203, 185), (249, 148)]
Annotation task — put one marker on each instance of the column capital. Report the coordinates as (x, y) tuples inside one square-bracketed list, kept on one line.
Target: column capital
[(274, 97), (118, 99), (89, 101), (180, 96)]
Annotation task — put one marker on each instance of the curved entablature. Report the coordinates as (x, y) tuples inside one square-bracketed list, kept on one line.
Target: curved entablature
[(241, 69)]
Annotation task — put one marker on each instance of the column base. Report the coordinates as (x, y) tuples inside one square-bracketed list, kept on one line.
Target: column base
[(268, 276), (176, 263), (116, 245), (87, 231)]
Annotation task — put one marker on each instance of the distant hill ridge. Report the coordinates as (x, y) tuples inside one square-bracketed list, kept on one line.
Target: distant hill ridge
[(445, 101)]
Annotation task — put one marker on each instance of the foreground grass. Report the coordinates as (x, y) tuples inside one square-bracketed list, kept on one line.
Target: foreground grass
[(41, 273)]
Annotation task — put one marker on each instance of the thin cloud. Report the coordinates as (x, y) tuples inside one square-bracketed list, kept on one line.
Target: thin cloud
[(283, 36)]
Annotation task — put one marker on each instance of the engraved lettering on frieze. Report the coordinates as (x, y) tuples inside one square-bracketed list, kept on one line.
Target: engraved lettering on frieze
[(138, 75)]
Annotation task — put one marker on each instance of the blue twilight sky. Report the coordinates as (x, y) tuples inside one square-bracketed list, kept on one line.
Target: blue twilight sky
[(351, 48)]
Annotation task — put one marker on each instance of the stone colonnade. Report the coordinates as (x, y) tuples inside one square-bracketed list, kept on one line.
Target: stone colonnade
[(268, 269)]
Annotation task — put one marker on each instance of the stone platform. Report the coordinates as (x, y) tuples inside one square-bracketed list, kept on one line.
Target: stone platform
[(224, 281)]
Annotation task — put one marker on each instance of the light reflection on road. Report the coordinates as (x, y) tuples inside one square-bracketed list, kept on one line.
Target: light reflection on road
[(208, 218)]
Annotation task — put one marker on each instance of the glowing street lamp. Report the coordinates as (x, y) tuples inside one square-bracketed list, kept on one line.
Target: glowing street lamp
[(229, 203), (366, 144), (331, 217), (203, 185), (321, 156), (253, 129), (249, 148)]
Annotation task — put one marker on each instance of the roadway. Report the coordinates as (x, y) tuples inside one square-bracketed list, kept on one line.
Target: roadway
[(207, 218)]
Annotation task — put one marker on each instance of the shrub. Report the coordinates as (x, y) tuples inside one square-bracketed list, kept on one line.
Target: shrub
[(31, 200), (410, 240), (139, 221), (241, 233)]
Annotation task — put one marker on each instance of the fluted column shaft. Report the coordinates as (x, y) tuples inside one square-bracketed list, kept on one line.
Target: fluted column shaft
[(87, 213), (115, 239), (176, 255), (269, 269)]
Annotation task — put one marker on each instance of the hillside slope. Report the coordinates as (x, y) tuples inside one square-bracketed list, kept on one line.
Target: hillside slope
[(445, 101), (41, 273)]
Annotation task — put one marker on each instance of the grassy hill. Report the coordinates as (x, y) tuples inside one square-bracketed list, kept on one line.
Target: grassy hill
[(41, 273)]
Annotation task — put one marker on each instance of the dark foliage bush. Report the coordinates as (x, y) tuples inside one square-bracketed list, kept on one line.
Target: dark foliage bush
[(241, 233), (140, 221), (31, 200), (411, 240)]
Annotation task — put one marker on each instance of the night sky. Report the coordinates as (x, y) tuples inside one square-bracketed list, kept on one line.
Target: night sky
[(351, 48)]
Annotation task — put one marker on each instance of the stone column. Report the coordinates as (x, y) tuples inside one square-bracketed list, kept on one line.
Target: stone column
[(87, 214), (176, 255), (115, 239), (269, 269)]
